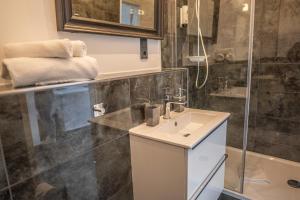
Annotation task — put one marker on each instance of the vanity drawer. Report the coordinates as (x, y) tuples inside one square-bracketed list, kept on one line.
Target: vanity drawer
[(204, 157), (215, 186)]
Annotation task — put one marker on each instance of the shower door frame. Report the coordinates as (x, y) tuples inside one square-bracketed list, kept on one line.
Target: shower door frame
[(248, 94)]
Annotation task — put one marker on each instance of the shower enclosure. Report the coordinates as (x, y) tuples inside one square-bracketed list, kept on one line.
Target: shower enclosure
[(254, 73)]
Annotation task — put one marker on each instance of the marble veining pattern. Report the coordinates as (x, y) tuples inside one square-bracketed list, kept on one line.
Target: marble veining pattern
[(55, 148), (274, 105)]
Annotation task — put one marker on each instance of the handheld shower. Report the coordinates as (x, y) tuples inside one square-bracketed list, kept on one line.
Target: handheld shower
[(200, 39)]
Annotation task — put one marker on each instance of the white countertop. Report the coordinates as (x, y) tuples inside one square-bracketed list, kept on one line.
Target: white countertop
[(197, 123)]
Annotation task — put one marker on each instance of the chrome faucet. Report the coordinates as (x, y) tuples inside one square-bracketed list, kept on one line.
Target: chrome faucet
[(168, 108)]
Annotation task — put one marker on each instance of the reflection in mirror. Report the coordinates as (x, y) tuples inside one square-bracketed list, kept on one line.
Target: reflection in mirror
[(138, 13), (57, 120), (206, 18)]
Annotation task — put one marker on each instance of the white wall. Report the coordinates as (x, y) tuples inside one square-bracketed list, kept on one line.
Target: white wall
[(30, 20)]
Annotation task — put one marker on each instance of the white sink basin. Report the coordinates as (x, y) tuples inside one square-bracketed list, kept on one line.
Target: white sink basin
[(184, 129)]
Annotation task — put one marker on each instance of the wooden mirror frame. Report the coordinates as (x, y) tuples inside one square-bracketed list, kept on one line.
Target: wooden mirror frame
[(67, 22)]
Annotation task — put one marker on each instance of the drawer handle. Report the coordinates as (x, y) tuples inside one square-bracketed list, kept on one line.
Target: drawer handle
[(208, 178)]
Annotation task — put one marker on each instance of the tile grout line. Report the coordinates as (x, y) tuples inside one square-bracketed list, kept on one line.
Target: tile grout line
[(76, 156), (5, 171), (129, 88)]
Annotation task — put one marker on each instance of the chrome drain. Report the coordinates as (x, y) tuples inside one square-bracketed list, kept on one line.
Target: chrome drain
[(294, 183)]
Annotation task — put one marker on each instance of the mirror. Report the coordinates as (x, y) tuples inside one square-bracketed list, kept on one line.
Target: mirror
[(138, 13), (134, 18), (209, 19)]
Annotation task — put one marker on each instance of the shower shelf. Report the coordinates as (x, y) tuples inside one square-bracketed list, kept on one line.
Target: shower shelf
[(196, 59), (234, 92)]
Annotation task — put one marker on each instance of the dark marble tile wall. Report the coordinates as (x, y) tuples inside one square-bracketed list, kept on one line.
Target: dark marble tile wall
[(235, 73), (168, 44), (175, 37), (277, 120), (275, 80), (4, 194), (266, 28), (3, 181), (54, 148), (274, 119), (276, 37)]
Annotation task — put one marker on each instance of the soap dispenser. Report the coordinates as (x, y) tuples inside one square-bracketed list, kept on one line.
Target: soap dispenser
[(180, 97)]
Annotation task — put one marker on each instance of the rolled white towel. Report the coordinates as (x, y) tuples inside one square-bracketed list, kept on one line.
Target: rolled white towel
[(42, 71), (42, 49), (79, 48)]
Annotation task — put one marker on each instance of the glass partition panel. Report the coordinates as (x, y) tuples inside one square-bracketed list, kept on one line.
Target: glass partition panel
[(273, 152), (224, 27)]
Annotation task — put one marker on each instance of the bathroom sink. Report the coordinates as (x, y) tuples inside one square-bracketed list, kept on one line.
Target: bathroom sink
[(185, 129)]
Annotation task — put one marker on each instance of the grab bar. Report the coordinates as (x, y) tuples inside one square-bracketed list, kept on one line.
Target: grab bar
[(206, 181)]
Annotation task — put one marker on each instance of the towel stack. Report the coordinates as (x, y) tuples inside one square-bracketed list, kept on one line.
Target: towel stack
[(48, 62)]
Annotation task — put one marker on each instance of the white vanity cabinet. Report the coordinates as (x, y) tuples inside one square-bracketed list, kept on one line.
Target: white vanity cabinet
[(166, 171)]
